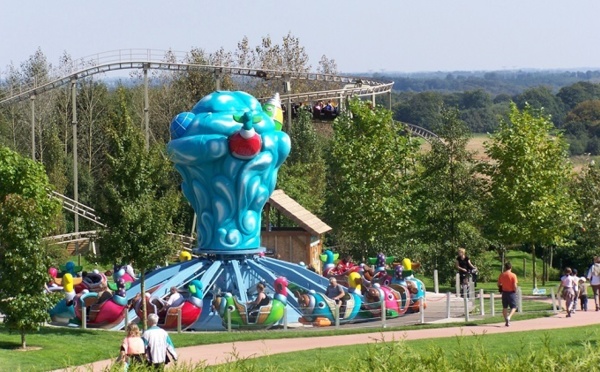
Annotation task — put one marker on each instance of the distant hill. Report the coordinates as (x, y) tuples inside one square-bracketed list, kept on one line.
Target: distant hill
[(493, 82)]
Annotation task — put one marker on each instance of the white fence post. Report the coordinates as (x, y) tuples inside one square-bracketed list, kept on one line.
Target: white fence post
[(384, 315), (229, 320), (466, 301), (457, 284), (436, 284), (481, 304), (492, 310), (448, 304), (179, 320)]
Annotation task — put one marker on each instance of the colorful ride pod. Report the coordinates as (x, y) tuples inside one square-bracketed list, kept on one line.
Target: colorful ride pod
[(168, 316), (395, 304), (319, 310), (93, 282), (103, 310), (263, 317)]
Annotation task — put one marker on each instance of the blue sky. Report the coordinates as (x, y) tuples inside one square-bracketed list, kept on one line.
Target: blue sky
[(361, 36)]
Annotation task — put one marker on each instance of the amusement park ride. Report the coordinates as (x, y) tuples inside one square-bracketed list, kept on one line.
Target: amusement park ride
[(228, 149)]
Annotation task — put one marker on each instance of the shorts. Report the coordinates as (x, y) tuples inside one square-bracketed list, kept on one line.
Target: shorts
[(509, 300)]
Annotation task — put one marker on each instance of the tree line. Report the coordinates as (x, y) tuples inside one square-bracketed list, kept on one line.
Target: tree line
[(574, 110), (366, 177)]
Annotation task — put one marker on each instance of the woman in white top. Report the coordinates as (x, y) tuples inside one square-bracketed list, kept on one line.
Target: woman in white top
[(593, 276), (567, 284)]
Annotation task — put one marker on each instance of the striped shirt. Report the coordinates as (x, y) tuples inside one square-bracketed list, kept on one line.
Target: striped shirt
[(158, 340)]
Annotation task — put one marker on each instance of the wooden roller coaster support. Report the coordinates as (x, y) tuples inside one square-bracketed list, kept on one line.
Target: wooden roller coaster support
[(218, 78), (32, 100), (146, 107), (75, 156), (287, 89)]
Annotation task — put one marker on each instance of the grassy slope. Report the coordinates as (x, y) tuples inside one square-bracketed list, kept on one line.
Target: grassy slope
[(495, 347)]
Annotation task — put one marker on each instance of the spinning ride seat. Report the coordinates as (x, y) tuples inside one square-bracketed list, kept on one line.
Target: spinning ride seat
[(319, 310), (105, 311)]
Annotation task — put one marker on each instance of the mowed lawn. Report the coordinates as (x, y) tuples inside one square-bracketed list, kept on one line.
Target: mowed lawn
[(477, 353)]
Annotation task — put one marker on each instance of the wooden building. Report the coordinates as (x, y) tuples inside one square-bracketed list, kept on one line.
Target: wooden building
[(301, 243)]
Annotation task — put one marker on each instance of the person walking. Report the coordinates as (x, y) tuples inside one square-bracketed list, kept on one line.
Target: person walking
[(575, 278), (567, 285), (465, 267), (158, 344), (583, 298), (507, 285), (132, 347), (593, 276)]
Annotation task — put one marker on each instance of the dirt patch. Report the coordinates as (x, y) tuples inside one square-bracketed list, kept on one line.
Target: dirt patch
[(28, 348), (475, 145)]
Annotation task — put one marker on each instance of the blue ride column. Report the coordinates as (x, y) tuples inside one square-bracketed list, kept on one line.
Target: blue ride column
[(228, 151)]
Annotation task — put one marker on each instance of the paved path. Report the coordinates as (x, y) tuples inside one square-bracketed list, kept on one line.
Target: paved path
[(222, 353)]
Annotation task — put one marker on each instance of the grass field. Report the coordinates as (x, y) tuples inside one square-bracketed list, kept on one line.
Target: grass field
[(56, 347), (477, 353)]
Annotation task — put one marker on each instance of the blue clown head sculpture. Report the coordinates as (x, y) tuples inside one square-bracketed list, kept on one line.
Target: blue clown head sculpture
[(228, 151)]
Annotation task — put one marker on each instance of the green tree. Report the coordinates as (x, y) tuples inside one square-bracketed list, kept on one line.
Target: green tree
[(542, 98), (302, 176), (137, 202), (530, 177), (586, 233), (369, 191), (422, 109), (574, 94), (27, 215), (450, 191)]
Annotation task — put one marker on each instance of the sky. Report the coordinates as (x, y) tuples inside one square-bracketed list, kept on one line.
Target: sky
[(361, 36)]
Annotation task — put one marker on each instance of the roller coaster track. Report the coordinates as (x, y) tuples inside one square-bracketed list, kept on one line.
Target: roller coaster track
[(156, 60), (150, 59), (427, 135), (88, 213)]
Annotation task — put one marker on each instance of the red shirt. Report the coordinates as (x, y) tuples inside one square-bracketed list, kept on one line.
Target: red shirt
[(508, 281)]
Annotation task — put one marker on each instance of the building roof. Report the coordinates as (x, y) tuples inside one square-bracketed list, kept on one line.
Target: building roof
[(297, 213)]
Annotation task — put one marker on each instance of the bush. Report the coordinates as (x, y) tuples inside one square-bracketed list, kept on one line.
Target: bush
[(58, 254)]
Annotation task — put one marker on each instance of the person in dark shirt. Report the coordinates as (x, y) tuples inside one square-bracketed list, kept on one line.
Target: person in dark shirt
[(261, 300), (464, 265)]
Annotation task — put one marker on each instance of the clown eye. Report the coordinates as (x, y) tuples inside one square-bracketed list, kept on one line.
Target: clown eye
[(321, 305), (390, 297)]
